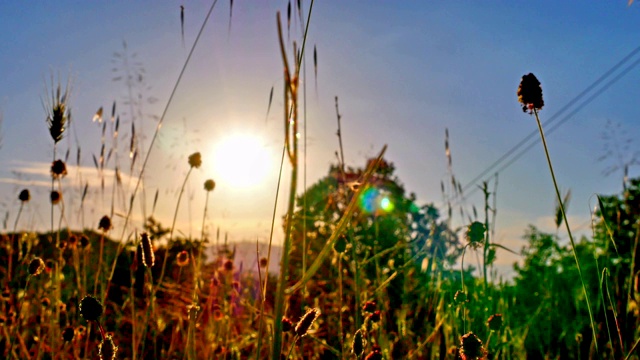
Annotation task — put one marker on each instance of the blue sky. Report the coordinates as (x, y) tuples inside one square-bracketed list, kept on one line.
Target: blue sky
[(404, 72)]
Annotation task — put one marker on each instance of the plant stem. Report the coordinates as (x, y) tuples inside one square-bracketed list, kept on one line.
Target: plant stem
[(566, 222)]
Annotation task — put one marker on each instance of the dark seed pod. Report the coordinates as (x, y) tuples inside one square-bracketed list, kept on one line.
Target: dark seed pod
[(105, 224), (68, 333), (209, 185), (357, 346), (287, 325), (108, 349), (471, 346), (36, 266), (195, 160), (90, 308), (306, 321), (58, 169), (55, 197), (24, 195), (530, 93), (495, 322), (148, 257)]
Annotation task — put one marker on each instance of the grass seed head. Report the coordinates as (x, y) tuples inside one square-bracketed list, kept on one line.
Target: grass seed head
[(36, 266), (24, 195), (306, 321), (530, 93), (148, 257), (90, 308), (108, 349), (195, 160), (58, 169)]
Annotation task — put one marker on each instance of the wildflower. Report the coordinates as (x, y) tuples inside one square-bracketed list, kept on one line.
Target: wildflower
[(306, 321), (105, 224), (148, 257), (58, 169), (68, 333), (24, 195), (36, 266), (287, 325), (90, 308), (55, 197), (475, 234), (108, 349), (357, 346), (182, 259), (209, 185), (471, 347), (495, 322), (369, 306), (530, 93), (195, 160)]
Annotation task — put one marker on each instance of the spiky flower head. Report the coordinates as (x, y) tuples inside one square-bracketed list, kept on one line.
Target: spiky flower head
[(90, 308), (182, 259), (105, 223), (148, 257), (36, 266), (475, 234), (358, 344), (58, 169), (55, 197), (495, 322), (471, 347), (195, 160), (108, 349), (306, 321), (209, 185), (530, 93), (24, 195)]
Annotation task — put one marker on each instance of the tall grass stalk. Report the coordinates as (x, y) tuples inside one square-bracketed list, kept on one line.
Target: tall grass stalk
[(566, 222)]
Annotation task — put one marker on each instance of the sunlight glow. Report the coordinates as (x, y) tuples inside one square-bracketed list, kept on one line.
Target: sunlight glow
[(241, 161)]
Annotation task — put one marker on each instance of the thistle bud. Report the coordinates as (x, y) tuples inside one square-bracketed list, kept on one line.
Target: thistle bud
[(495, 322), (105, 224), (58, 169), (24, 195), (471, 347)]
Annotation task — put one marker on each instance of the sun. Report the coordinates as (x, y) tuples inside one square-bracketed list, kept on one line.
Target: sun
[(241, 161)]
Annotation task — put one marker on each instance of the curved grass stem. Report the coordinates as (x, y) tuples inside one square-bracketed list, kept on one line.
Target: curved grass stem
[(566, 222)]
